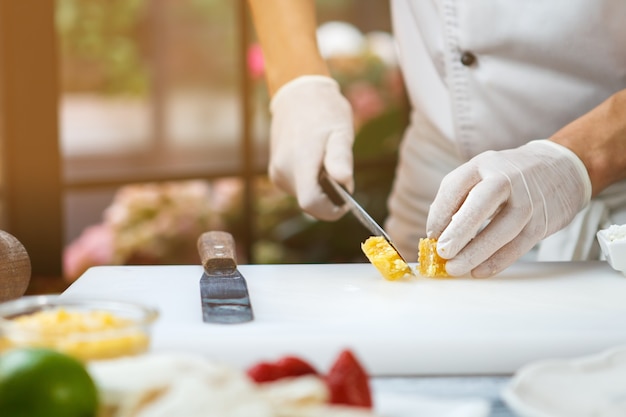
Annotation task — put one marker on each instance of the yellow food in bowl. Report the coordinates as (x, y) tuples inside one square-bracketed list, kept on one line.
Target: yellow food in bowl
[(84, 333), (385, 258)]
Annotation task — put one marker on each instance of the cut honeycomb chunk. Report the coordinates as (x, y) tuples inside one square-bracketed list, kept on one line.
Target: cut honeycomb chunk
[(430, 263), (385, 258)]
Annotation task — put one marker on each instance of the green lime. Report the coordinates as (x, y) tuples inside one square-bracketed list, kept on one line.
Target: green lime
[(37, 382)]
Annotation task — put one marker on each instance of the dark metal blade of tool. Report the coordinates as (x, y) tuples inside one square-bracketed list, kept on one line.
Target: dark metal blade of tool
[(223, 290), (340, 196)]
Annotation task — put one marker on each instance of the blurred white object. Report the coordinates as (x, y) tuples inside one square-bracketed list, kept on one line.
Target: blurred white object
[(383, 45), (400, 405), (613, 244), (589, 386), (190, 385), (173, 384), (340, 39)]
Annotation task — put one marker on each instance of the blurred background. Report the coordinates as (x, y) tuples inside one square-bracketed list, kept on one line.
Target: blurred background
[(128, 127)]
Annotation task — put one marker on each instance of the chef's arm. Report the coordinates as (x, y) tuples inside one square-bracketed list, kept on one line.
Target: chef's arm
[(311, 126), (534, 190), (286, 30), (599, 140)]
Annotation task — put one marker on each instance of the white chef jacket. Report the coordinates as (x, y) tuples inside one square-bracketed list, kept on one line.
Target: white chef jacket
[(495, 74)]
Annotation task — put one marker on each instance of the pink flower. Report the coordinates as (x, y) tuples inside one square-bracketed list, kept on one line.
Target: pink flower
[(93, 247), (366, 101), (256, 63), (150, 222)]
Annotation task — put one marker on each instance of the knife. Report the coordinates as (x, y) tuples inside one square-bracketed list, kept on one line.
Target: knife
[(340, 197), (223, 290)]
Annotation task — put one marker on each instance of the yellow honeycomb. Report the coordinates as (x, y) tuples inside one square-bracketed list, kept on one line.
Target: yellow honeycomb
[(385, 258), (430, 263)]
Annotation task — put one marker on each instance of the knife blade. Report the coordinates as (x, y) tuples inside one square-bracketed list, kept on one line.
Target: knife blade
[(340, 196), (223, 290)]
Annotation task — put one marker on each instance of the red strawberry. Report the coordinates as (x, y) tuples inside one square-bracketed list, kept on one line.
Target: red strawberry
[(263, 372), (348, 382), (287, 366), (292, 366)]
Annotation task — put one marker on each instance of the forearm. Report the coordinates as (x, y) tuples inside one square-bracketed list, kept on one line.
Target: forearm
[(286, 30), (599, 140)]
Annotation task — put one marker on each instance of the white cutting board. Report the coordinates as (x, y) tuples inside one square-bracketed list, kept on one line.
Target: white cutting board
[(420, 327)]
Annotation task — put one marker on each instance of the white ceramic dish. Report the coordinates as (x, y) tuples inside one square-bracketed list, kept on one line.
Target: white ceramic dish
[(614, 249), (590, 386)]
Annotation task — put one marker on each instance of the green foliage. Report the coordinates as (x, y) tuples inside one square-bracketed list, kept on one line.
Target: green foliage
[(98, 41), (107, 45)]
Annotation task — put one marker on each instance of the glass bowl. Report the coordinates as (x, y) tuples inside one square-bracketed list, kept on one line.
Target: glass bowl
[(88, 329)]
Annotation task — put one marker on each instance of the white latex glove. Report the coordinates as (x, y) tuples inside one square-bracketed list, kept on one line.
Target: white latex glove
[(311, 127), (525, 194)]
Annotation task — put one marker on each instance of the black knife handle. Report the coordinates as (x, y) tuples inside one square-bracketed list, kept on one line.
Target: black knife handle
[(330, 191), (217, 252)]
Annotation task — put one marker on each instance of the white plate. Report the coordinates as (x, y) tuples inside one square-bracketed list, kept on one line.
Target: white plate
[(196, 383), (590, 386)]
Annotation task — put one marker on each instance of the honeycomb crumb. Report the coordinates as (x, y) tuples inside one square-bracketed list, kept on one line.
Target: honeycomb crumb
[(385, 258), (430, 263)]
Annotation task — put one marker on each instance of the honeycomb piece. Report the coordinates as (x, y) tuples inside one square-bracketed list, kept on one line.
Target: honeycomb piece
[(430, 263), (385, 258)]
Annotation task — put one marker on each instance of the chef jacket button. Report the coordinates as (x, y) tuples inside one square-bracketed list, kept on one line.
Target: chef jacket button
[(468, 58)]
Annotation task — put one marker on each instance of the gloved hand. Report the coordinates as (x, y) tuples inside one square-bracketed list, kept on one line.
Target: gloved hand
[(493, 209), (311, 127)]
